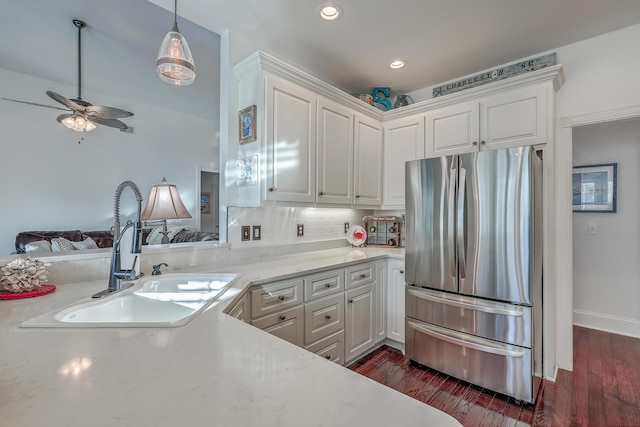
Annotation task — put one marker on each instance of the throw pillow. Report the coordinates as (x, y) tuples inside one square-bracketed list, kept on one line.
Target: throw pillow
[(39, 246), (60, 244), (87, 243)]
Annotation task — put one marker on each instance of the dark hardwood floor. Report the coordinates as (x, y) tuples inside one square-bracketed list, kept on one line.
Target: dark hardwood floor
[(603, 389)]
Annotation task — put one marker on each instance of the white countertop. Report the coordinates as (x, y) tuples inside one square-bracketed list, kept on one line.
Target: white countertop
[(214, 371)]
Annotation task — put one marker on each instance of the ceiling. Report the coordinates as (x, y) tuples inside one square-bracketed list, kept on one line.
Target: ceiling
[(440, 40)]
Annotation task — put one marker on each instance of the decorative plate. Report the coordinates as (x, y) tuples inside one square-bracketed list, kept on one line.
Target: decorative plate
[(356, 235), (42, 290)]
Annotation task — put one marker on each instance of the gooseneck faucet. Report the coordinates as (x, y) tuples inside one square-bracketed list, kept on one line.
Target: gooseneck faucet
[(116, 274)]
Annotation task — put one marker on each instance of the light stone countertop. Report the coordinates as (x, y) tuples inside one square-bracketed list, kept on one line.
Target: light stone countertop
[(215, 371)]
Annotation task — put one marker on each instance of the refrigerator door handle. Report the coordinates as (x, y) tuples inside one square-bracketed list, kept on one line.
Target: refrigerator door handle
[(464, 343), (474, 307), (460, 210), (451, 225)]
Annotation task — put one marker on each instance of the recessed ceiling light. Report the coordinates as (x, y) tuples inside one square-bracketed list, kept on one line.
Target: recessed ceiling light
[(398, 63), (330, 12)]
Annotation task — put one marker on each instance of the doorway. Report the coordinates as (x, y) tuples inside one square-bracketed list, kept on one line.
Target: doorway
[(209, 201)]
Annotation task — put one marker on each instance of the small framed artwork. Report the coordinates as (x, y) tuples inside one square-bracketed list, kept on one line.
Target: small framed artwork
[(595, 188), (205, 207), (247, 171), (247, 125)]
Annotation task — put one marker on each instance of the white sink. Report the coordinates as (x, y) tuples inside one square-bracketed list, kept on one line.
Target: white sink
[(158, 301)]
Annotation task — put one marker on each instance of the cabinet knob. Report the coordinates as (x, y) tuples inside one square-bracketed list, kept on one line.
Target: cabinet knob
[(321, 193), (475, 142), (350, 301), (401, 271), (481, 142), (282, 317), (363, 276), (327, 357), (272, 189), (357, 196), (281, 297), (328, 316), (327, 285)]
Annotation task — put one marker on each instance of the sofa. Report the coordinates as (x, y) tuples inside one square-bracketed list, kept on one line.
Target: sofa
[(60, 241)]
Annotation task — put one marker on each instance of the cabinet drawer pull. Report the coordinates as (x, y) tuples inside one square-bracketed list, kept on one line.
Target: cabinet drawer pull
[(327, 285), (363, 276), (282, 317), (281, 297), (327, 356), (482, 142), (350, 301), (328, 316), (357, 196), (475, 142), (401, 271), (272, 189), (321, 193)]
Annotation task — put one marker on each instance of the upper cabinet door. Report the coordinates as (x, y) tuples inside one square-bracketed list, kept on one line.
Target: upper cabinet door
[(367, 162), (290, 142), (453, 129), (515, 118), (334, 153), (403, 141)]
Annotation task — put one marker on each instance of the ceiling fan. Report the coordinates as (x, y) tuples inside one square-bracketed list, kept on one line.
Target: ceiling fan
[(81, 115)]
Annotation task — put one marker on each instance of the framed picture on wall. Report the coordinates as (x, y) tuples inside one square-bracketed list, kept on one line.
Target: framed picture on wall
[(247, 125), (205, 206), (595, 188)]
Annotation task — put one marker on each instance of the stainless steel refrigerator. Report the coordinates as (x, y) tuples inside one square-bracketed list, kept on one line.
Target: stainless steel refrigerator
[(474, 268)]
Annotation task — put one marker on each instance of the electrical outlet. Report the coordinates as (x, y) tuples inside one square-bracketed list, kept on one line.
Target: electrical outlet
[(346, 227), (300, 229), (257, 232), (592, 228), (246, 233)]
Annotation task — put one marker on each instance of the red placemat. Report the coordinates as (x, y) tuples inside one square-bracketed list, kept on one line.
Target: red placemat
[(42, 290)]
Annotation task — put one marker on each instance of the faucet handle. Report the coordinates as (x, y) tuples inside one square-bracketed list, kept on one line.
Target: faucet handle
[(156, 269)]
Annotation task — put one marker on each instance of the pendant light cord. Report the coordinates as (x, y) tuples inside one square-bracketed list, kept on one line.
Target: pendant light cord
[(175, 17)]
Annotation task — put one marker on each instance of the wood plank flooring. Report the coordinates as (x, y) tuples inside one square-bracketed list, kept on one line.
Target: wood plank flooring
[(603, 389)]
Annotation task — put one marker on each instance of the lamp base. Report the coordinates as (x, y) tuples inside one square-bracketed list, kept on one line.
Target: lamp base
[(165, 237)]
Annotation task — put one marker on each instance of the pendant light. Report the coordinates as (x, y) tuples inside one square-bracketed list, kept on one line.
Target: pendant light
[(175, 63)]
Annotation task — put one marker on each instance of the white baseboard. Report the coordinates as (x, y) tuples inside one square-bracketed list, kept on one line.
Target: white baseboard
[(607, 323)]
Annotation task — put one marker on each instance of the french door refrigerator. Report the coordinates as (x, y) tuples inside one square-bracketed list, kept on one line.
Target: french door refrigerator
[(473, 265)]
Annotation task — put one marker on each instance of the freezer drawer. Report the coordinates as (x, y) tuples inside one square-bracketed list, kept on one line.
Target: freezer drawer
[(499, 367), (503, 322)]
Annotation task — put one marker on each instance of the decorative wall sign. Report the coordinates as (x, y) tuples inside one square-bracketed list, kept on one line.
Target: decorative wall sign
[(495, 75), (595, 187), (247, 125), (247, 171)]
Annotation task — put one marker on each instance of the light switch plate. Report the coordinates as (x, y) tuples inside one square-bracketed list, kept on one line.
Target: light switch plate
[(246, 233), (257, 232), (300, 230), (346, 227)]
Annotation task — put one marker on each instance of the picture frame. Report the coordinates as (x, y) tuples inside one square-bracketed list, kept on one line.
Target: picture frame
[(247, 171), (247, 125), (205, 205), (595, 188)]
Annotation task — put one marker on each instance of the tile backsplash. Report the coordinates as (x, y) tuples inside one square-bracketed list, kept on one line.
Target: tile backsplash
[(279, 224)]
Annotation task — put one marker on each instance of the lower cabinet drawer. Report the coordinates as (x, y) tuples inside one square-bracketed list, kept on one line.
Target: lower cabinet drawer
[(500, 367), (273, 297), (323, 317), (331, 348), (286, 324)]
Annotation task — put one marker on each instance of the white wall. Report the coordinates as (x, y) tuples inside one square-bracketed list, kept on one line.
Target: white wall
[(50, 182), (606, 271)]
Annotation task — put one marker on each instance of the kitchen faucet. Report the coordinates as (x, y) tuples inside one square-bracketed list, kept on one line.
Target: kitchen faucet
[(116, 273)]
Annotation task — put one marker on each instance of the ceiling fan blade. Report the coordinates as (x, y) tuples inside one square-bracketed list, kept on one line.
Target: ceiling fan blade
[(33, 103), (114, 123), (108, 112), (65, 101)]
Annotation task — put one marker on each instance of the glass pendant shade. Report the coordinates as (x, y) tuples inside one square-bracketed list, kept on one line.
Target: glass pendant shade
[(78, 123), (175, 63)]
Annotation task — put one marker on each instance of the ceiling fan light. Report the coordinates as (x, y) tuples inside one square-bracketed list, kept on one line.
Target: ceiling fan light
[(90, 126), (69, 122)]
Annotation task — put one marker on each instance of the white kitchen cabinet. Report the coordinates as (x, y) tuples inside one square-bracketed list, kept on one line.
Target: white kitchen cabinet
[(359, 321), (334, 153), (381, 301), (241, 310), (290, 142), (368, 152), (507, 119), (395, 302), (404, 140), (287, 324)]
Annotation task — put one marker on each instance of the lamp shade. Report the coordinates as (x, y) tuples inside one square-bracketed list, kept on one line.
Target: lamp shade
[(164, 203)]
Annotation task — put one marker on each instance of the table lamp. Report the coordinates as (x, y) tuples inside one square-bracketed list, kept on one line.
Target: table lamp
[(164, 203)]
